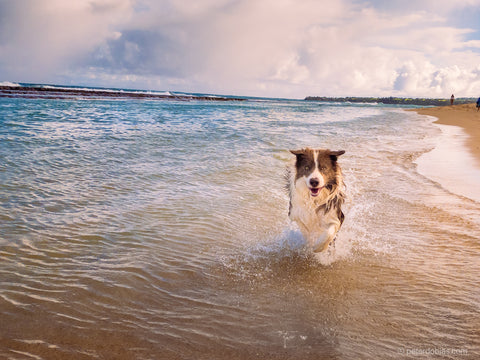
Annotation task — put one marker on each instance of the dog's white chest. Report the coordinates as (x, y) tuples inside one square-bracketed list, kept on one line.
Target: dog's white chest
[(305, 213), (318, 228)]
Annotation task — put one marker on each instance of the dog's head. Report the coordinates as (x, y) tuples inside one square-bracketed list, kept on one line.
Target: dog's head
[(317, 167)]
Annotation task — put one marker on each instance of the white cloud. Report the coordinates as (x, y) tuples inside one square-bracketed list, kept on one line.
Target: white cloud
[(41, 36), (272, 47)]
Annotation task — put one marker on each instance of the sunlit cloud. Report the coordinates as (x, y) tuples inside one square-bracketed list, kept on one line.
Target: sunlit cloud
[(284, 48)]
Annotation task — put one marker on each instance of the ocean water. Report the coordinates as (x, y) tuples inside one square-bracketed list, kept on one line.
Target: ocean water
[(158, 230)]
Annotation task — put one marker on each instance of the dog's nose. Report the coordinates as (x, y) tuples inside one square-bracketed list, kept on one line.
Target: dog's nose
[(314, 182)]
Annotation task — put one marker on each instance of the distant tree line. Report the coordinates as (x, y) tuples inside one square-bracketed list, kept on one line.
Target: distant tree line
[(392, 100)]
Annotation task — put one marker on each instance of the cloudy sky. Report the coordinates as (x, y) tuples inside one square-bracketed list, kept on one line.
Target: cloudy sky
[(281, 48)]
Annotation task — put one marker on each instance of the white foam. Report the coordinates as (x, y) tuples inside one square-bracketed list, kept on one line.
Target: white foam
[(27, 354), (291, 241), (8, 83), (106, 90), (451, 164)]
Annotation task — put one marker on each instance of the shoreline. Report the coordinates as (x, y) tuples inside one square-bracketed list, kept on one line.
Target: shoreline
[(455, 161), (464, 116)]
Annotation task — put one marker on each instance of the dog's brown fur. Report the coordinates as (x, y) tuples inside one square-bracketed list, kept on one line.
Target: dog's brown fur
[(316, 208)]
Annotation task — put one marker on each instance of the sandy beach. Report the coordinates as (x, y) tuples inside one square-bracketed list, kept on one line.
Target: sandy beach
[(464, 116)]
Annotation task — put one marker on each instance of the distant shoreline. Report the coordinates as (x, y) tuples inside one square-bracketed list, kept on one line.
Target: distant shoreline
[(54, 92), (391, 100)]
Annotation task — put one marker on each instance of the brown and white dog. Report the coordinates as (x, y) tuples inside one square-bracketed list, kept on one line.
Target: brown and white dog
[(316, 189)]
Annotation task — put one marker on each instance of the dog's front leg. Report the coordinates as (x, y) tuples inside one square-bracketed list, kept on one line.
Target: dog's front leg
[(321, 243)]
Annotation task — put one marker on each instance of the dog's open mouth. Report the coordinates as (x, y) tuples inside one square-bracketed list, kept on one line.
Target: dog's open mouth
[(315, 191)]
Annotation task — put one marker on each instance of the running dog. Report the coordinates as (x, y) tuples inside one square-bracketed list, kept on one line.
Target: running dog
[(316, 189)]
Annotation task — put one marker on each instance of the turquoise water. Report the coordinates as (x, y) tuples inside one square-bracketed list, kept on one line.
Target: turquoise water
[(159, 229)]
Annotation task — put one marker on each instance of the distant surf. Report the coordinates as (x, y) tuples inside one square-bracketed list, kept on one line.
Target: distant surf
[(9, 84), (39, 91)]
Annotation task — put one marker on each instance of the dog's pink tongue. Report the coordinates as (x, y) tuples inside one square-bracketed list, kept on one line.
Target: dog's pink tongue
[(314, 191)]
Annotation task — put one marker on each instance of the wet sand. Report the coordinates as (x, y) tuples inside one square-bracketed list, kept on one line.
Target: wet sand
[(464, 116)]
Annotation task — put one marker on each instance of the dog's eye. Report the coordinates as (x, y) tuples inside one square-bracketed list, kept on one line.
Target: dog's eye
[(322, 168), (307, 167)]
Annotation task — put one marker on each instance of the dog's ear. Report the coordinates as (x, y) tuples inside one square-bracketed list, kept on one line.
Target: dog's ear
[(298, 152), (335, 154)]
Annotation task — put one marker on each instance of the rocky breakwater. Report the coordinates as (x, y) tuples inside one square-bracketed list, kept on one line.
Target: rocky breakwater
[(42, 92)]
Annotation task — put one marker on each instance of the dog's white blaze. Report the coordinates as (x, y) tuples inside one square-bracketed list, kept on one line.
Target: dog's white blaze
[(316, 172)]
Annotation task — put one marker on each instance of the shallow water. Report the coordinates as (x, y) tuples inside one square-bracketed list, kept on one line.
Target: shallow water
[(151, 230), (451, 164)]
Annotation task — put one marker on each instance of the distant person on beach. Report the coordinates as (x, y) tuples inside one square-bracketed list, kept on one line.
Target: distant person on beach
[(452, 99), (478, 104)]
